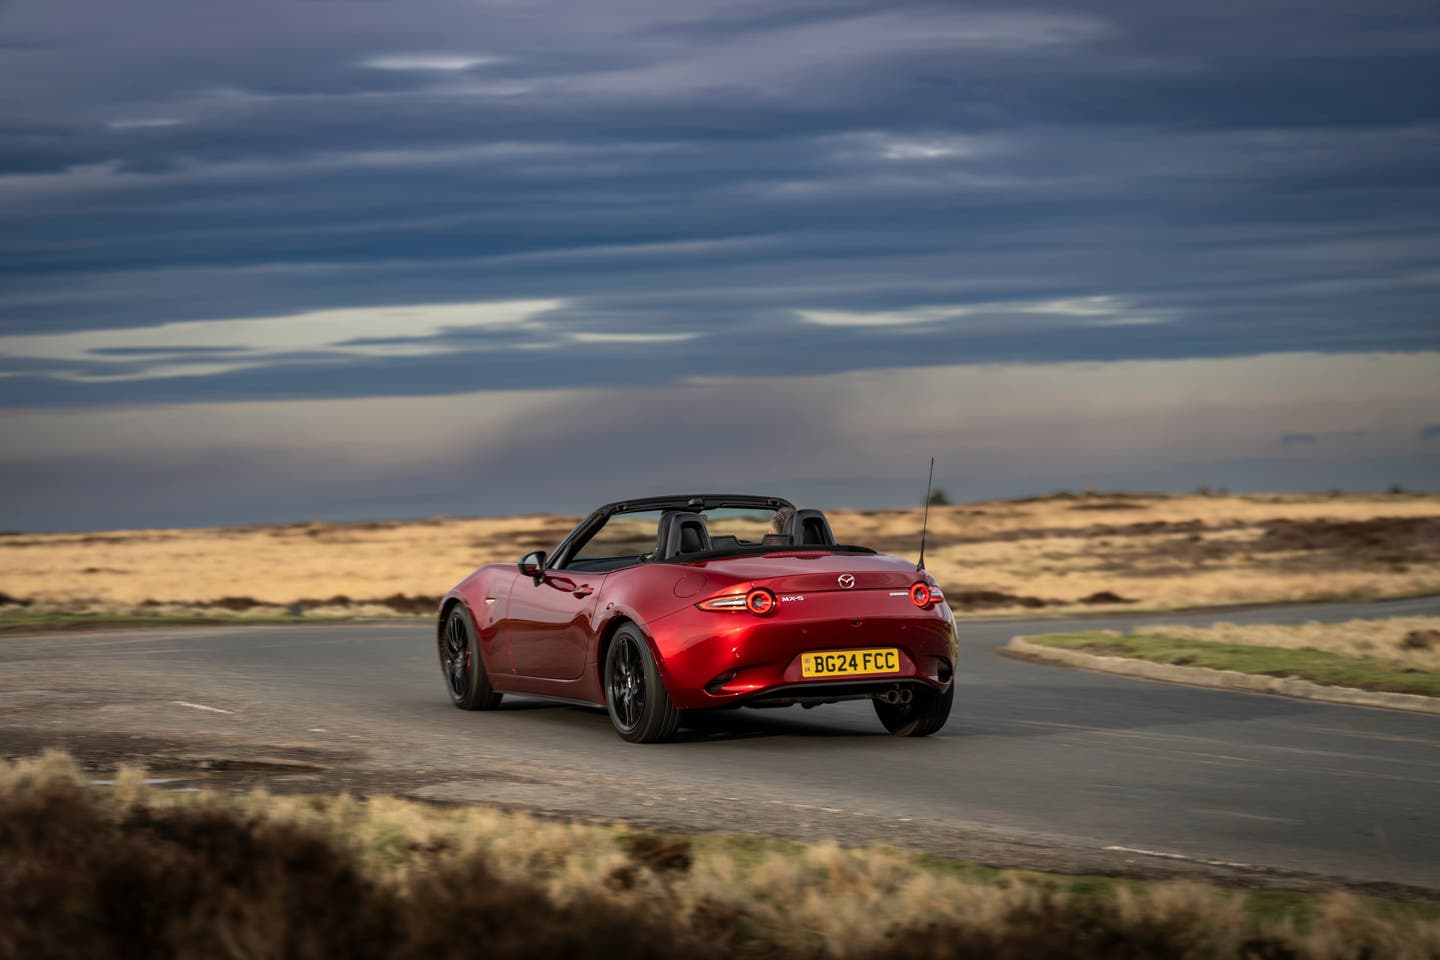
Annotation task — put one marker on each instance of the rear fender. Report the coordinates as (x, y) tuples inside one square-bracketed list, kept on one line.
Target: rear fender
[(616, 618), (647, 595)]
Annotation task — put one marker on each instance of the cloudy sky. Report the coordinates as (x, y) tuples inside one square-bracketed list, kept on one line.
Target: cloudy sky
[(354, 258)]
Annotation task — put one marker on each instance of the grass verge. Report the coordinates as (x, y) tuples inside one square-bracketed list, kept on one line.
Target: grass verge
[(1317, 666), (130, 871), (28, 621)]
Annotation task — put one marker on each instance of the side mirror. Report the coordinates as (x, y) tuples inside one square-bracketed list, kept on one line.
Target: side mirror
[(532, 565)]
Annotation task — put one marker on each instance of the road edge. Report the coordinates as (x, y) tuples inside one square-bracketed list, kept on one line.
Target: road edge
[(1223, 679)]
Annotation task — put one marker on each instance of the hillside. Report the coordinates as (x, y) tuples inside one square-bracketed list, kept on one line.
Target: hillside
[(1053, 554)]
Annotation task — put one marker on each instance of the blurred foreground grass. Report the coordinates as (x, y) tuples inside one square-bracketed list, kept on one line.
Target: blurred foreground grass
[(130, 870)]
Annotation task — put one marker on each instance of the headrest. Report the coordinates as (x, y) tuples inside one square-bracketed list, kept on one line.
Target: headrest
[(809, 528), (681, 532)]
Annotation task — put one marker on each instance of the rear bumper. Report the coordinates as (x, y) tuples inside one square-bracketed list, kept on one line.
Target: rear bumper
[(813, 692), (730, 659)]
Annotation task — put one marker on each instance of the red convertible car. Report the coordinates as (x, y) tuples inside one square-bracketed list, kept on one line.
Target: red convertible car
[(662, 605)]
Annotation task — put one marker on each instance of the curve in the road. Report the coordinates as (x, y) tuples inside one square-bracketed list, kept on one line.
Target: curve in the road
[(1041, 765)]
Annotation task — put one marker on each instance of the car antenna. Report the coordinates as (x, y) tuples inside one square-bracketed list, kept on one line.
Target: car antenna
[(926, 522)]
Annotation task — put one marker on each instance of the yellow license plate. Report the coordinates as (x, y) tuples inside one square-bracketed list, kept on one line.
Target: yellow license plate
[(840, 663)]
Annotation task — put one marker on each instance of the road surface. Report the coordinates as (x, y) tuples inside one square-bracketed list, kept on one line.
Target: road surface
[(1041, 766)]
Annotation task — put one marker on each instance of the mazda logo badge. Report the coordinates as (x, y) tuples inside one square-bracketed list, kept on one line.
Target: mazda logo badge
[(846, 581)]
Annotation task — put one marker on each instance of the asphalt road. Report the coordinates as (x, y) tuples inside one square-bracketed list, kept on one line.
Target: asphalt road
[(1040, 766)]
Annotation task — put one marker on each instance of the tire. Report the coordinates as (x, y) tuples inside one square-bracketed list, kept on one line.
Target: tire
[(639, 707), (922, 716), (462, 667)]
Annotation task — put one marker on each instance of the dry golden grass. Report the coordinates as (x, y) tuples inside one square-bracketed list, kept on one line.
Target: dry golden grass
[(197, 873), (998, 556)]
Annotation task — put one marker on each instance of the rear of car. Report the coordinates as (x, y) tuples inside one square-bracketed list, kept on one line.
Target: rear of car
[(808, 627)]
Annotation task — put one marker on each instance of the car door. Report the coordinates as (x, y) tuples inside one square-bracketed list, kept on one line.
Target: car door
[(550, 621), (548, 625)]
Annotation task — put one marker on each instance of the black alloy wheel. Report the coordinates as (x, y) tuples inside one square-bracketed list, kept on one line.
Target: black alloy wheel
[(639, 707), (464, 671)]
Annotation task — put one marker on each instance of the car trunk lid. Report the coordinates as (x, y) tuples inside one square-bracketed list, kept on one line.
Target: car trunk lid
[(815, 572)]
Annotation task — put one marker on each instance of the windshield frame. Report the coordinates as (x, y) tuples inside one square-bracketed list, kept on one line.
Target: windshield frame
[(591, 525)]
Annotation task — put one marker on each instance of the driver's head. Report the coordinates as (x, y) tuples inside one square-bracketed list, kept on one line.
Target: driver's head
[(781, 520)]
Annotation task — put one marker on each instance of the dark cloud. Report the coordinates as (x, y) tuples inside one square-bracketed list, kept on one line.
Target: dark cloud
[(168, 353), (1430, 432), (182, 162), (688, 181), (750, 344), (1328, 436)]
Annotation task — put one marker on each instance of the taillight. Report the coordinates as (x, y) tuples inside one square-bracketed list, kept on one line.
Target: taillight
[(759, 601), (923, 595)]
